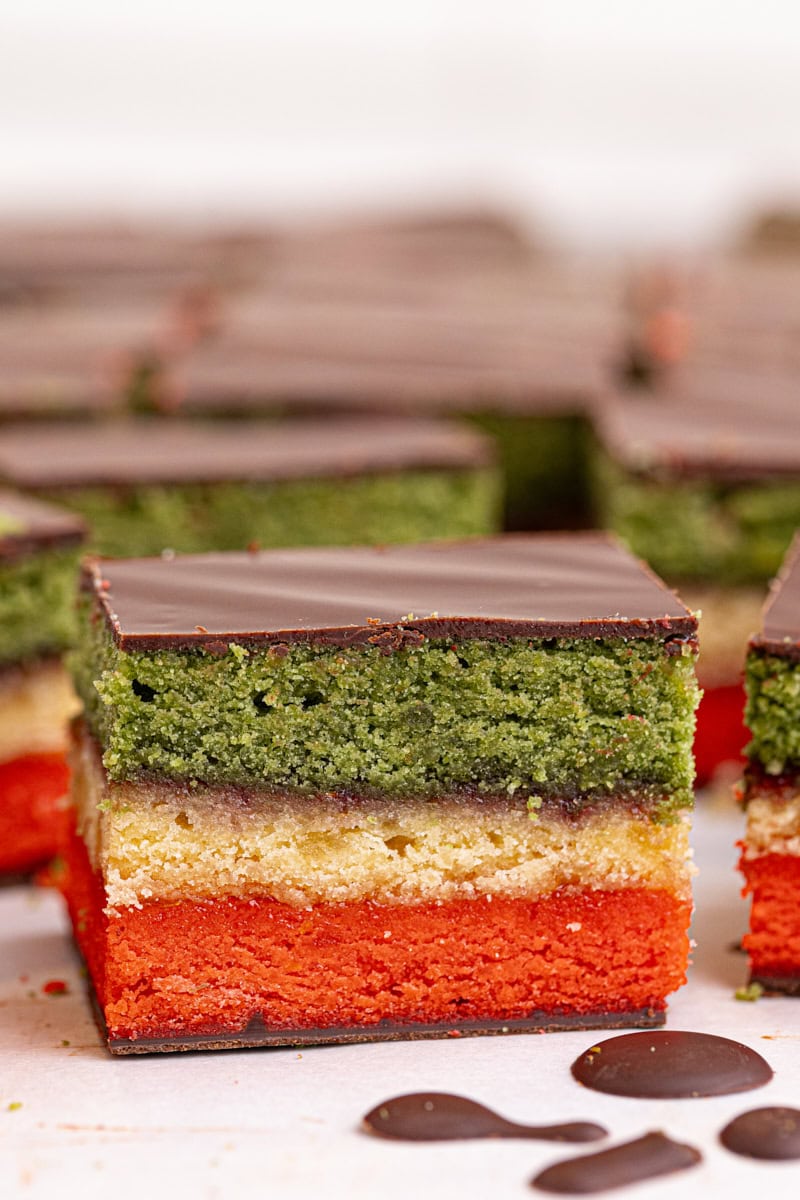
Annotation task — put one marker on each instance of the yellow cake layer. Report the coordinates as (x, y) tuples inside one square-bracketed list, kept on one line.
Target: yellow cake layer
[(773, 825), (169, 841), (36, 704)]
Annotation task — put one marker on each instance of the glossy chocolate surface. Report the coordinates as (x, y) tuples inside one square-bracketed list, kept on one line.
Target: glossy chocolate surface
[(442, 1117), (127, 452), (780, 629), (723, 427), (644, 1158), (28, 526), (573, 586), (671, 1064), (771, 1133)]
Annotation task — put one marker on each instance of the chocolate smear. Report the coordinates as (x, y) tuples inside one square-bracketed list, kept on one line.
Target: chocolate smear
[(442, 1117), (764, 1133), (671, 1064), (644, 1158)]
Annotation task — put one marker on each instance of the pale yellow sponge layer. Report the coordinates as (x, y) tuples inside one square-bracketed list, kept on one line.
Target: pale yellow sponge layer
[(168, 841), (36, 704), (773, 825)]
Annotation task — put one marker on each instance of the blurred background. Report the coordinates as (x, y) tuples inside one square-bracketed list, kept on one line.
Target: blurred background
[(616, 124)]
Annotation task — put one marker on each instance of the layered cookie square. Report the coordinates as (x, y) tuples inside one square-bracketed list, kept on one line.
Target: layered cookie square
[(347, 794), (770, 858), (149, 484), (703, 481), (39, 547)]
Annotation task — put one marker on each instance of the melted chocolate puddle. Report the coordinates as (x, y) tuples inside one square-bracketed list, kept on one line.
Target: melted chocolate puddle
[(441, 1117), (671, 1065), (764, 1133), (645, 1158)]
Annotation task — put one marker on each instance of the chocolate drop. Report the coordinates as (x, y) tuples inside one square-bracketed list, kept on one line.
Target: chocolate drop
[(764, 1133), (644, 1158), (441, 1117), (671, 1064)]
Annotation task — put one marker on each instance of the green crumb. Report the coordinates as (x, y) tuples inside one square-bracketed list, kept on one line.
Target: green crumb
[(772, 712), (403, 506), (753, 991), (559, 717), (699, 529), (37, 604), (65, 1042), (14, 1106)]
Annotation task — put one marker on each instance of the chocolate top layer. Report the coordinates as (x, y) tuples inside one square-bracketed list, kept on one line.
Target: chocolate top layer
[(131, 452), (671, 1065), (780, 626), (717, 426), (570, 585), (27, 526)]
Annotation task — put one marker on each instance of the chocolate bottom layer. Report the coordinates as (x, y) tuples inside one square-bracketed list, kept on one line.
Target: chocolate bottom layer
[(258, 1035), (786, 985)]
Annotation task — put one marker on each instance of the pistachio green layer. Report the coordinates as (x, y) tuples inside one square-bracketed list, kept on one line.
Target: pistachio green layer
[(544, 463), (773, 712), (37, 605), (698, 529), (398, 507), (565, 718)]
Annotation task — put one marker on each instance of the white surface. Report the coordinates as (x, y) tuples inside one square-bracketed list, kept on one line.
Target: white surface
[(283, 1123), (615, 122)]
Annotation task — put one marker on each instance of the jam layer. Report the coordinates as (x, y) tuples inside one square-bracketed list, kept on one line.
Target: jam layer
[(167, 841)]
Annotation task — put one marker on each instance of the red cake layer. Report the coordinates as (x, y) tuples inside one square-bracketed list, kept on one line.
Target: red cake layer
[(773, 943), (32, 789), (721, 733), (205, 967)]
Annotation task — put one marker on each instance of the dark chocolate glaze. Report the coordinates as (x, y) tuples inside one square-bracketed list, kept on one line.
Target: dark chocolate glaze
[(672, 1064), (140, 451), (549, 380), (772, 1133), (711, 425), (572, 586), (441, 1117), (644, 1158), (33, 526), (256, 1034), (780, 630), (777, 985)]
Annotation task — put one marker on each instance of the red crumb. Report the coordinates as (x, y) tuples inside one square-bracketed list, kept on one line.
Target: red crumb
[(55, 987)]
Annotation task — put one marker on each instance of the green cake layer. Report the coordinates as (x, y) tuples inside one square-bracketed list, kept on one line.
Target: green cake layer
[(393, 507), (37, 604), (773, 712), (557, 717), (693, 529)]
